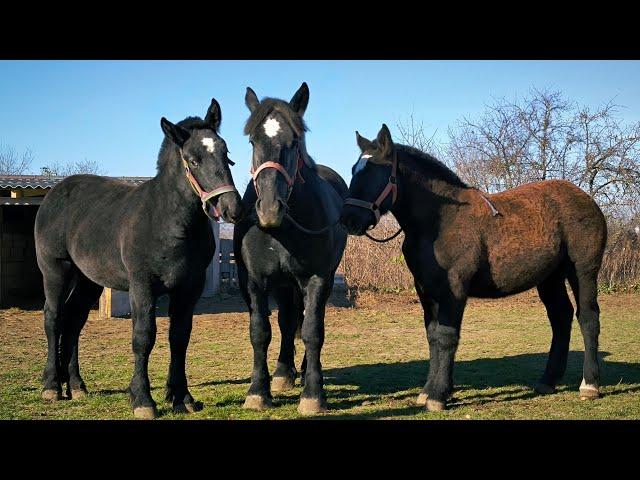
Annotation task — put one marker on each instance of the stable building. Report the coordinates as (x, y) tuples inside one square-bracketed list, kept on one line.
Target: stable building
[(20, 277)]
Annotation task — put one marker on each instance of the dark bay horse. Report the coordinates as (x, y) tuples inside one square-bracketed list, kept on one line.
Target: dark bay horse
[(461, 243), (153, 239), (289, 194)]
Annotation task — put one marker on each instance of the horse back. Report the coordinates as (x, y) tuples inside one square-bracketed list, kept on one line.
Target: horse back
[(539, 227), (83, 219), (332, 178)]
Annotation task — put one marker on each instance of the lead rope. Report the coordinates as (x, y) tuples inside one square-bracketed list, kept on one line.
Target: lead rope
[(290, 181), (306, 230), (494, 212), (383, 240)]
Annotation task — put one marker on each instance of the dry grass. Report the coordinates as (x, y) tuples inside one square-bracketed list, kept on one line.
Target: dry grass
[(374, 363)]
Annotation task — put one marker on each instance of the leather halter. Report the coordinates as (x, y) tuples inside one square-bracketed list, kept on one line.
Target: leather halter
[(202, 193), (391, 187), (280, 168)]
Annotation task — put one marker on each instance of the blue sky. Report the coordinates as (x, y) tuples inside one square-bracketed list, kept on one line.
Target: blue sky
[(109, 111)]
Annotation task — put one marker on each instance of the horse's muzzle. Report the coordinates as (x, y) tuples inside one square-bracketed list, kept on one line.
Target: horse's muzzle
[(271, 214), (355, 221), (231, 207)]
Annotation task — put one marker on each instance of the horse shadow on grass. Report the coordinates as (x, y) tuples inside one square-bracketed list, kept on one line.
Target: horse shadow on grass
[(514, 375)]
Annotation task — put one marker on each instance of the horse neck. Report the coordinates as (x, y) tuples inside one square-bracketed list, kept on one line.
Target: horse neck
[(305, 200), (423, 201), (174, 196)]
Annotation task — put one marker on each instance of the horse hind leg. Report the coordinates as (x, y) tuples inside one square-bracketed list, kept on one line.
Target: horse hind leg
[(553, 294), (75, 313), (56, 276), (585, 289)]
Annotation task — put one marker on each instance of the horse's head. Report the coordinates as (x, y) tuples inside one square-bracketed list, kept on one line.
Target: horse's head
[(372, 190), (276, 132), (205, 160)]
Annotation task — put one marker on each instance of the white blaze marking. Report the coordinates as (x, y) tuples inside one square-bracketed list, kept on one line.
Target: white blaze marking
[(361, 163), (209, 143), (271, 127)]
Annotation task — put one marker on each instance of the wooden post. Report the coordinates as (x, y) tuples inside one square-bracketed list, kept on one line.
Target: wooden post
[(114, 303)]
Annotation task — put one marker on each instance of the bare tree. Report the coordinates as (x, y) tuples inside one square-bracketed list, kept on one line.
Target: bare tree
[(544, 136), (412, 133), (489, 152), (547, 119), (13, 163), (73, 168), (607, 155)]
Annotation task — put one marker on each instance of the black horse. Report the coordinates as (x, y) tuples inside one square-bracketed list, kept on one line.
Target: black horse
[(460, 243), (276, 253), (153, 239)]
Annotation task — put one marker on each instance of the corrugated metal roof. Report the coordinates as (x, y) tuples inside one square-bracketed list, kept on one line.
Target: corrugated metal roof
[(46, 181)]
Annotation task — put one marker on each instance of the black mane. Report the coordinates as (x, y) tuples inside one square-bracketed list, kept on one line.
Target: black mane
[(431, 166)]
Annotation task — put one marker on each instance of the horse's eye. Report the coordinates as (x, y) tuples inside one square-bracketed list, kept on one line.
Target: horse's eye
[(193, 162)]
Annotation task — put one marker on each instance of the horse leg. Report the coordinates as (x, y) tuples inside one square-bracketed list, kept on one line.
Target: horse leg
[(585, 288), (259, 394), (429, 308), (56, 280), (182, 303), (143, 306), (553, 294), (446, 336), (316, 294), (284, 376), (76, 310)]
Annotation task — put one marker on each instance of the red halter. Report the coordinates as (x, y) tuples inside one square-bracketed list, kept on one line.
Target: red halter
[(391, 187), (203, 194), (279, 167)]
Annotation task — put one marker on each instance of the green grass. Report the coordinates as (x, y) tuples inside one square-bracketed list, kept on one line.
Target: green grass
[(374, 363)]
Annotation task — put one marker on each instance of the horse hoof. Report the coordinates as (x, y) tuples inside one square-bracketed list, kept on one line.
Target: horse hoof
[(79, 393), (257, 402), (282, 384), (311, 406), (588, 392), (422, 399), (544, 389), (145, 413), (187, 407), (434, 405), (51, 395)]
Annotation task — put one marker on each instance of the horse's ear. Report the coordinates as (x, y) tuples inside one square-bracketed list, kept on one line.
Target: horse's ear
[(300, 99), (363, 143), (214, 115), (176, 134), (385, 143), (251, 100)]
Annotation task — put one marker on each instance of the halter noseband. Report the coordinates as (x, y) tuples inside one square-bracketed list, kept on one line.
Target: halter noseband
[(202, 193), (280, 168), (391, 187)]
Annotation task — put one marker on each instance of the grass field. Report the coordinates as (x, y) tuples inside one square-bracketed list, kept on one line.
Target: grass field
[(374, 363)]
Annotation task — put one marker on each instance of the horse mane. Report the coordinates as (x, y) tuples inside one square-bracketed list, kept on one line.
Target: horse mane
[(430, 166), (167, 149), (295, 121)]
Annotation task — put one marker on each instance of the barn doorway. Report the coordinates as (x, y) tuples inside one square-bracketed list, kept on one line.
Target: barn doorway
[(20, 277)]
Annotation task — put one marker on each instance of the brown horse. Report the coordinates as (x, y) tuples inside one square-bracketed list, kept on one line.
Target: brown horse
[(461, 243)]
